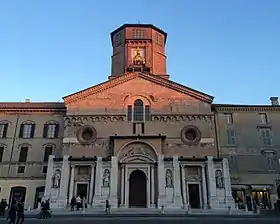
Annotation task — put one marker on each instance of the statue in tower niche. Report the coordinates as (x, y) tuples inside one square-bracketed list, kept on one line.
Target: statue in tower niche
[(106, 178), (56, 179), (138, 58), (169, 178)]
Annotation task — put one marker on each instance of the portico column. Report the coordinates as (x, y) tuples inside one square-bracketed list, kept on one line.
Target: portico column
[(153, 184), (183, 178), (91, 184), (177, 192), (126, 188), (65, 172), (97, 200), (50, 171), (212, 192), (71, 190), (204, 191), (114, 182), (123, 186), (149, 187), (161, 181)]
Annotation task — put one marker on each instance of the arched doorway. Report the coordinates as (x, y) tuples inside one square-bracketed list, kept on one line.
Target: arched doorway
[(17, 193), (137, 189)]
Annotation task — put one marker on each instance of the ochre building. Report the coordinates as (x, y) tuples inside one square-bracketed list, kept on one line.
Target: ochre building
[(140, 140)]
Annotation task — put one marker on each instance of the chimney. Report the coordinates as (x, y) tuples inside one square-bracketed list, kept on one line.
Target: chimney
[(274, 101), (27, 100)]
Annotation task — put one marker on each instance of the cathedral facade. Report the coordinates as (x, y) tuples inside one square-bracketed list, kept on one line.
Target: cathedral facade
[(140, 140)]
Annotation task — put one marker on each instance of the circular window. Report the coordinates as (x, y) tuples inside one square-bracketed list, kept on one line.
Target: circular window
[(86, 135), (190, 135)]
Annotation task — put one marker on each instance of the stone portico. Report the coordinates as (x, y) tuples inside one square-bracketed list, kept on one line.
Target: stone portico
[(139, 177)]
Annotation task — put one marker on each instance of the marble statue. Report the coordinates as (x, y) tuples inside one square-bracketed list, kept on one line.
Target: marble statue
[(168, 177), (56, 179), (106, 178), (219, 179)]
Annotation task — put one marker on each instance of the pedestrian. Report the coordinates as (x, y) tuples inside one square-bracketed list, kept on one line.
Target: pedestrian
[(20, 212), (73, 203), (12, 215), (107, 207), (2, 207), (79, 201)]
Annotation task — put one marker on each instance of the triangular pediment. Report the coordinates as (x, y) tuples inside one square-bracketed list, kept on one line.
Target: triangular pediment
[(83, 94)]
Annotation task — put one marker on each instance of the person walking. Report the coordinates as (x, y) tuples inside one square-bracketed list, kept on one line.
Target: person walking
[(20, 212), (12, 215)]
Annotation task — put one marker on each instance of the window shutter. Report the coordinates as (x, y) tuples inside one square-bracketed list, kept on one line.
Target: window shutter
[(45, 131), (5, 130), (21, 130), (32, 131), (56, 131)]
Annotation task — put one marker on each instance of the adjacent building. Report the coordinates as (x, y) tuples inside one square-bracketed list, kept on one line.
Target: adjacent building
[(140, 140)]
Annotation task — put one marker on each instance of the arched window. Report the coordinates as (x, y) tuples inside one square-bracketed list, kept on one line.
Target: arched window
[(138, 110)]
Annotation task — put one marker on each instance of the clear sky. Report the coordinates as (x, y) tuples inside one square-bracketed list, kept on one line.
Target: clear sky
[(229, 49)]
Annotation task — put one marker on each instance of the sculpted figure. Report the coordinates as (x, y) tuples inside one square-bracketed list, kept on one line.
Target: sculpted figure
[(56, 179), (169, 178), (219, 179), (106, 178)]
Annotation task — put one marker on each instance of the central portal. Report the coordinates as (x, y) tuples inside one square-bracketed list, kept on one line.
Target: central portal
[(138, 189)]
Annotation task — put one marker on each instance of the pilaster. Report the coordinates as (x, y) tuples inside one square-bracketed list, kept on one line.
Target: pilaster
[(97, 199), (48, 184), (114, 182), (71, 189), (177, 201), (212, 191), (227, 184), (161, 181), (91, 184), (65, 171)]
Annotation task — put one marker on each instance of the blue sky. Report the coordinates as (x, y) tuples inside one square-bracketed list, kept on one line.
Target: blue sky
[(229, 49)]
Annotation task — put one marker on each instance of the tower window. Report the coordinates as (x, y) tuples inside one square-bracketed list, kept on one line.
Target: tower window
[(118, 39), (159, 39), (138, 33)]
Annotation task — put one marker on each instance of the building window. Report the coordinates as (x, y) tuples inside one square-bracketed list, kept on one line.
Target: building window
[(263, 118), (3, 130), (138, 110), (266, 136), (271, 159), (231, 137), (138, 33), (129, 113), (27, 131), (159, 39), (23, 154), (118, 38), (48, 152), (147, 113), (229, 118), (45, 169), (51, 130), (21, 169), (1, 153)]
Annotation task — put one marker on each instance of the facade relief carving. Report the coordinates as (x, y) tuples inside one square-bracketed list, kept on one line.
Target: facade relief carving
[(138, 149), (168, 118)]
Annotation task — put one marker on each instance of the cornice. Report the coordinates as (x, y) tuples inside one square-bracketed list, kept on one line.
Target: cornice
[(185, 117), (76, 120), (244, 108), (33, 111)]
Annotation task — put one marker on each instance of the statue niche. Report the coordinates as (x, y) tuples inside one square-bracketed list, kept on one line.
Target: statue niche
[(138, 58), (56, 179)]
